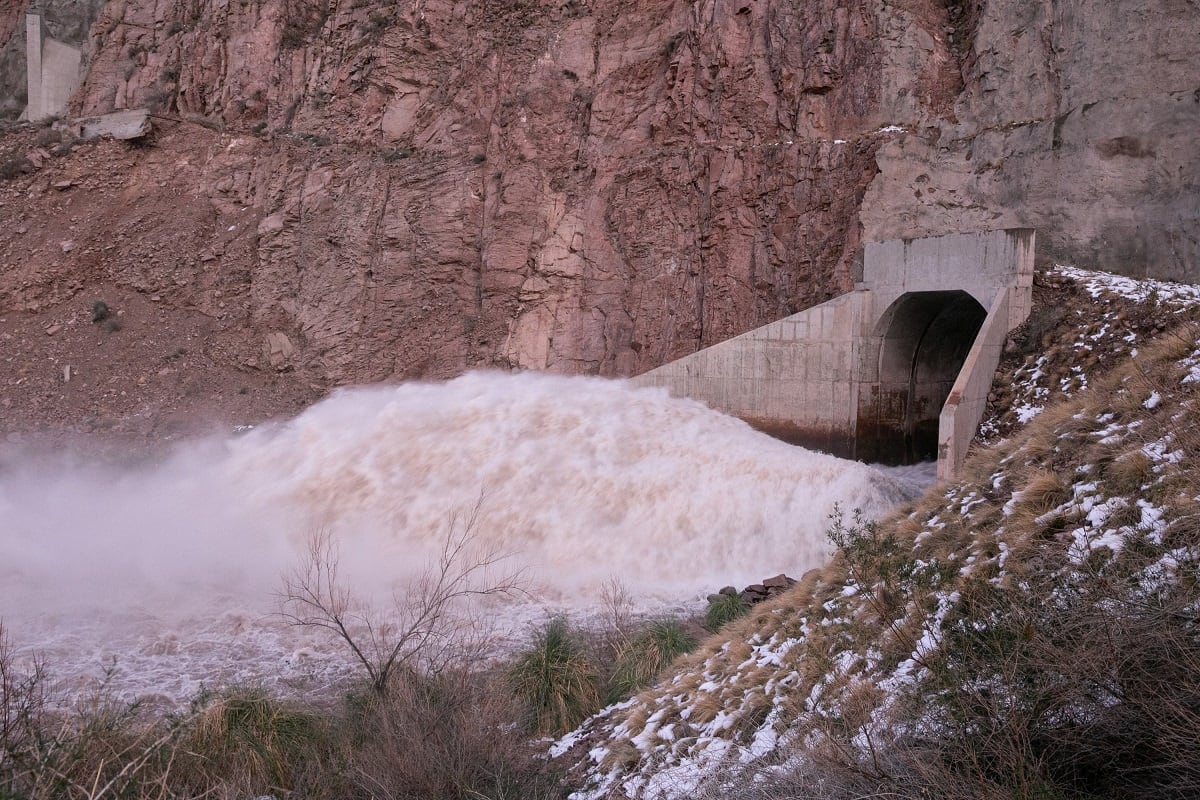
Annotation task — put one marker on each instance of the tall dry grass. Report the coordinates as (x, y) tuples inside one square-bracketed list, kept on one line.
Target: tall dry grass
[(449, 736), (556, 680)]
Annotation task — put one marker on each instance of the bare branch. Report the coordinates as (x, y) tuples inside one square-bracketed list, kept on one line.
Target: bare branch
[(429, 621)]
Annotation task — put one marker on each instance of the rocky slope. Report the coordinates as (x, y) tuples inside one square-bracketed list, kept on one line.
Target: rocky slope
[(366, 193)]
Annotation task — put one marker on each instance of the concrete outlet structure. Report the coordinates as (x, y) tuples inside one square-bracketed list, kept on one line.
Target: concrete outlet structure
[(52, 72), (896, 371)]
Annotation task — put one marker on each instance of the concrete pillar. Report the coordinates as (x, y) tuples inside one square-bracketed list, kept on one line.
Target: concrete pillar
[(35, 109)]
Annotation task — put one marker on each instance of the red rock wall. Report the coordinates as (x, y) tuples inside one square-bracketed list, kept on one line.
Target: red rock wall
[(580, 187), (419, 188), (11, 14), (12, 57)]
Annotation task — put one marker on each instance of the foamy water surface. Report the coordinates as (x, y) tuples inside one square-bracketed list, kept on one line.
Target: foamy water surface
[(162, 579)]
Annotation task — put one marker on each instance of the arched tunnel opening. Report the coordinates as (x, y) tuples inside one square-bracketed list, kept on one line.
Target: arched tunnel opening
[(924, 339)]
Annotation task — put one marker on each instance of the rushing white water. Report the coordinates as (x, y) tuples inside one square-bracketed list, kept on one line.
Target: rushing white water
[(167, 576)]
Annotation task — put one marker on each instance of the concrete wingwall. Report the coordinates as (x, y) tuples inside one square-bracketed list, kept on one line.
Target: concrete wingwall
[(794, 379), (897, 370), (967, 401)]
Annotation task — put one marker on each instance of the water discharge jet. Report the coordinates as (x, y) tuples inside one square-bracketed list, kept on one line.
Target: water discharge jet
[(584, 480)]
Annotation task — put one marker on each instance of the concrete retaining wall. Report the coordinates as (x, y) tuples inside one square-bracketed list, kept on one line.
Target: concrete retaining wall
[(60, 76), (968, 399), (795, 378)]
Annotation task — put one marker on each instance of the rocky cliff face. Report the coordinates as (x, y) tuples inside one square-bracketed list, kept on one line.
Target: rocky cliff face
[(1077, 118), (425, 187)]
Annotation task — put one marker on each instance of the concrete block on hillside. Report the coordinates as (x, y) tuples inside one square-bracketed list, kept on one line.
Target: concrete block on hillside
[(132, 124), (51, 71)]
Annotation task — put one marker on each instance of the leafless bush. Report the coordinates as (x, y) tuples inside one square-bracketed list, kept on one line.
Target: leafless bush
[(22, 716), (22, 696), (99, 751), (448, 736), (428, 625)]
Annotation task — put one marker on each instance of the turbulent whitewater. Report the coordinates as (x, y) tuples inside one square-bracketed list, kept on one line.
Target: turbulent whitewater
[(165, 578)]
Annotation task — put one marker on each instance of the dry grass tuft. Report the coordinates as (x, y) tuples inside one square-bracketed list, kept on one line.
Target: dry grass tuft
[(644, 657), (444, 736), (262, 742), (1043, 491), (555, 680), (705, 708)]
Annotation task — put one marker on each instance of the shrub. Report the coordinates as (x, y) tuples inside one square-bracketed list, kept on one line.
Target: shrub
[(302, 28), (1092, 693), (447, 735), (14, 167), (377, 21), (100, 311), (647, 655), (875, 557), (555, 680), (722, 609), (294, 36)]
